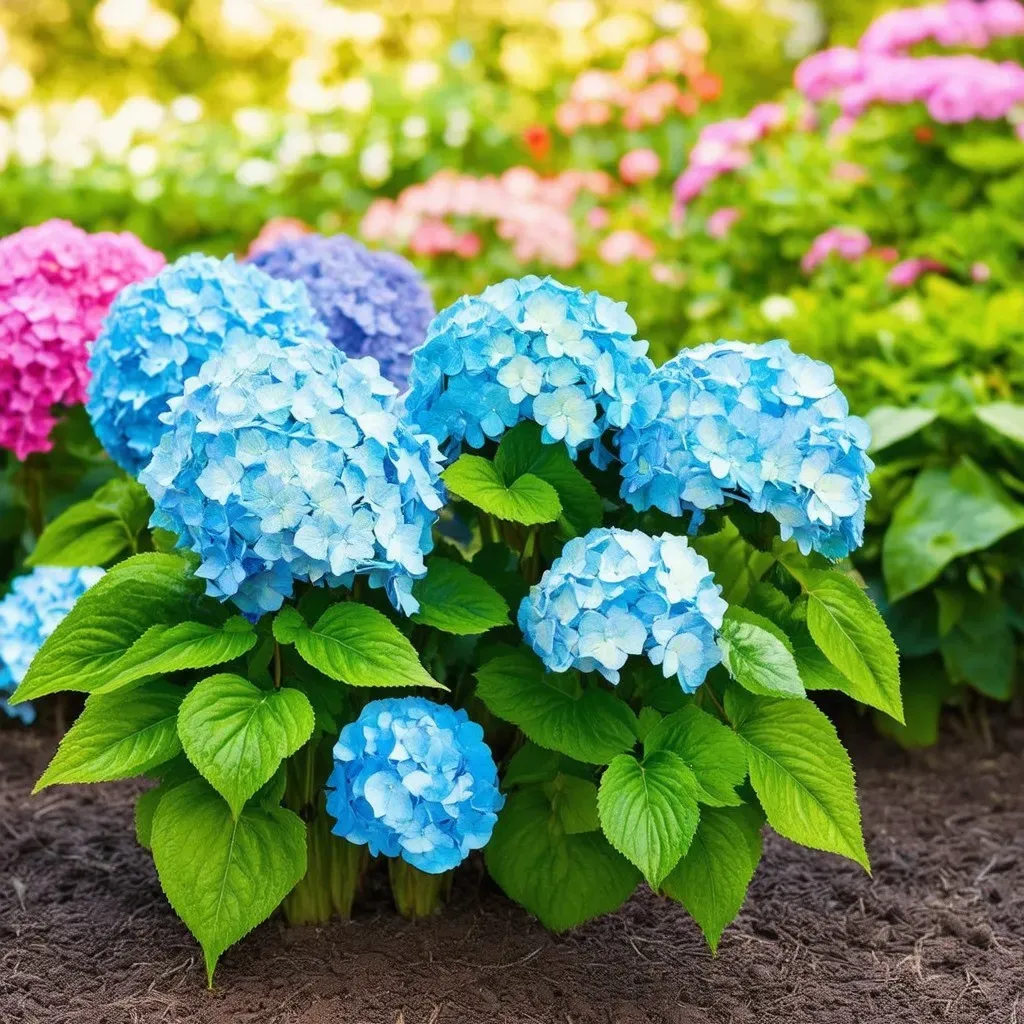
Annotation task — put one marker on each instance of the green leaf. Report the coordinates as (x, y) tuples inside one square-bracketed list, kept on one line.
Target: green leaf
[(530, 764), (224, 875), (84, 650), (96, 531), (756, 657), (574, 803), (737, 564), (980, 649), (523, 452), (988, 155), (354, 644), (187, 645), (649, 811), (946, 515), (890, 424), (562, 879), (925, 689), (712, 751), (455, 600), (800, 772), (236, 735), (117, 737), (527, 500), (711, 880), (590, 725), (851, 633), (1006, 418), (178, 772)]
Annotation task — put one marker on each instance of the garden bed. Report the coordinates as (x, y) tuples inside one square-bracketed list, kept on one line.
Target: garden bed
[(936, 935)]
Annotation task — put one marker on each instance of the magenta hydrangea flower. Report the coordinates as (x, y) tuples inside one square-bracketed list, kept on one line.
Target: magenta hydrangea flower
[(56, 284)]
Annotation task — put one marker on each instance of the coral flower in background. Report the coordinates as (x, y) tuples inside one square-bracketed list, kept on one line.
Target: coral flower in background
[(276, 231), (639, 165), (537, 140)]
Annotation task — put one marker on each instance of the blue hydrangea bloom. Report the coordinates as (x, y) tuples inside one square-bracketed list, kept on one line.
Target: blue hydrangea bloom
[(614, 593), (290, 462), (29, 613), (372, 303), (414, 779), (159, 331), (530, 349), (758, 424)]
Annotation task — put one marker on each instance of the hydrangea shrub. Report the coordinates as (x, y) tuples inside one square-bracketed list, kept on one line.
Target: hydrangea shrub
[(590, 690)]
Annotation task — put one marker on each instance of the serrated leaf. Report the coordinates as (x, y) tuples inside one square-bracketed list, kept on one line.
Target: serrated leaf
[(713, 752), (186, 645), (890, 424), (574, 803), (562, 879), (118, 736), (95, 531), (355, 644), (946, 515), (711, 881), (847, 627), (590, 725), (84, 650), (527, 500), (224, 875), (237, 735), (800, 772), (649, 811), (522, 451), (455, 600), (755, 656)]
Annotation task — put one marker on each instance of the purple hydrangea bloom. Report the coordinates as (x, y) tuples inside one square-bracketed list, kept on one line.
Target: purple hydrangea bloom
[(372, 303)]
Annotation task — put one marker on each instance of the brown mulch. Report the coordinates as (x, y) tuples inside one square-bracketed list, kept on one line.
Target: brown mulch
[(937, 934)]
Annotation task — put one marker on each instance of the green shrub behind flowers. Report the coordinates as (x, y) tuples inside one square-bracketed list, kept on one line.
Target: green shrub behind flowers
[(558, 605), (885, 238)]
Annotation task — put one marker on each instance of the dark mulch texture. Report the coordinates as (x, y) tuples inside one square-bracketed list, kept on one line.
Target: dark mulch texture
[(936, 935)]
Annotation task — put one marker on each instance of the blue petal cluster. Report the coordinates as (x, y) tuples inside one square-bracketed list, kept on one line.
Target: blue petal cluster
[(372, 303), (414, 779), (159, 331), (29, 613), (758, 424), (614, 593), (530, 349), (290, 462)]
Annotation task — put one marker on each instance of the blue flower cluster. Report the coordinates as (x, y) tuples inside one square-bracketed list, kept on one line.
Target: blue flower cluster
[(614, 593), (29, 613), (372, 303), (290, 462), (159, 331), (758, 424), (531, 349), (414, 779)]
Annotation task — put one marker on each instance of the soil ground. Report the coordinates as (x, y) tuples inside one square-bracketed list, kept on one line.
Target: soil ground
[(937, 934)]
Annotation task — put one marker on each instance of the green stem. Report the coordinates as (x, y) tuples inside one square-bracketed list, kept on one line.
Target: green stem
[(277, 665), (710, 694), (35, 500), (417, 894)]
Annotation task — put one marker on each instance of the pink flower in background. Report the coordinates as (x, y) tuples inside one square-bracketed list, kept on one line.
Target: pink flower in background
[(639, 165), (624, 245), (275, 231), (906, 273), (958, 23), (845, 170), (722, 220), (848, 243), (598, 218), (56, 284), (886, 253), (980, 272)]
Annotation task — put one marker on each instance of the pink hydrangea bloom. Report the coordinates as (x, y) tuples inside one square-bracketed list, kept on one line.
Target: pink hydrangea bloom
[(56, 284), (848, 243), (639, 165), (624, 245), (722, 220), (906, 273)]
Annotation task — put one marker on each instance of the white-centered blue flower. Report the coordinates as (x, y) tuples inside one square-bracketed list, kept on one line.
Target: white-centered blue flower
[(292, 462), (33, 608), (758, 424), (530, 349), (617, 593), (414, 779)]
